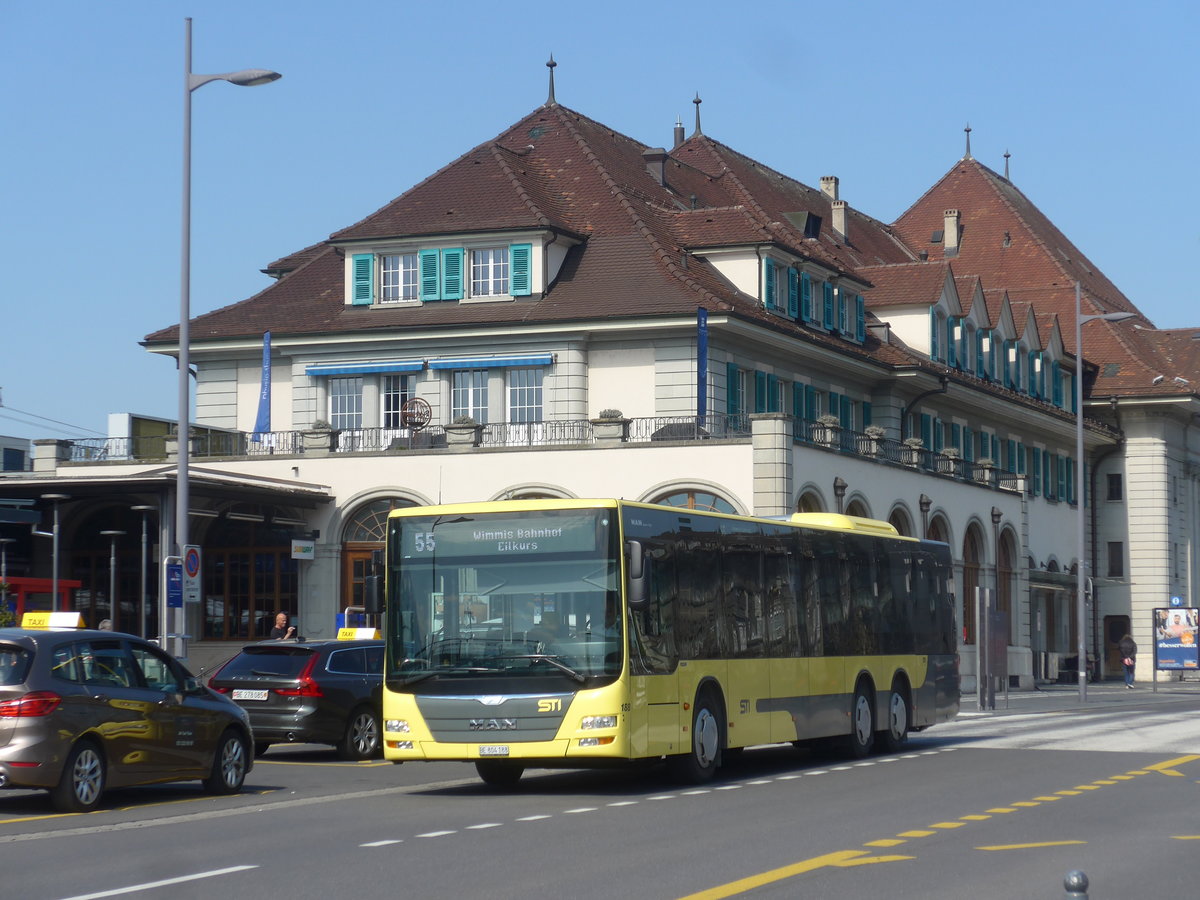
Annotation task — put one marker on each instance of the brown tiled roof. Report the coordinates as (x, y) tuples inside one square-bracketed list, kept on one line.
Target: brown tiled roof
[(905, 284)]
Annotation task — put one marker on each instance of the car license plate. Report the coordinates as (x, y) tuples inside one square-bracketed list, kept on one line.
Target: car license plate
[(493, 750), (244, 694)]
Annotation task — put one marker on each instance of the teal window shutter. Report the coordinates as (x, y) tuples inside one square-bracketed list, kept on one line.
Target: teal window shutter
[(980, 370), (927, 429), (520, 270), (828, 305), (430, 272), (866, 408), (951, 347), (452, 273), (968, 448), (806, 312), (846, 414), (1020, 458), (1035, 465), (797, 401), (1012, 456), (1056, 395), (363, 277), (793, 293), (810, 403), (769, 283), (956, 436), (773, 393), (731, 389), (860, 318), (1072, 472), (842, 325), (933, 334), (1074, 400), (760, 391), (1062, 477), (996, 449), (835, 405), (939, 436)]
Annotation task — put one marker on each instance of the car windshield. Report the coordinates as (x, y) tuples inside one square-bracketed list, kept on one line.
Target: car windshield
[(267, 662), (528, 596)]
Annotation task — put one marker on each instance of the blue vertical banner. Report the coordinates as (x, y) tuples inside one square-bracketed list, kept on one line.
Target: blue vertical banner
[(701, 362), (262, 424)]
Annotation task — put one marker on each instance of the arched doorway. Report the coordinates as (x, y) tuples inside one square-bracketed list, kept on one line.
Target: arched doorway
[(691, 499), (972, 564), (810, 502), (901, 521), (857, 507), (364, 533)]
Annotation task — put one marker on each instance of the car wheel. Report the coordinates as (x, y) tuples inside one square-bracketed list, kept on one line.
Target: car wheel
[(702, 762), (499, 774), (229, 765), (361, 740), (82, 782)]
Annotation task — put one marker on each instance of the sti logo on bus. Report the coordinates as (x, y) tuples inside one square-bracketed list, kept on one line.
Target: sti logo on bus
[(554, 704), (492, 724)]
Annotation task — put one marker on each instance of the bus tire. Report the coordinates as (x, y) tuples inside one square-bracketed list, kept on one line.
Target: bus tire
[(862, 722), (497, 774), (701, 762), (894, 735)]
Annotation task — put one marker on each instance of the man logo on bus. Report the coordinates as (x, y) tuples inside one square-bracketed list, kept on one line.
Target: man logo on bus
[(492, 724)]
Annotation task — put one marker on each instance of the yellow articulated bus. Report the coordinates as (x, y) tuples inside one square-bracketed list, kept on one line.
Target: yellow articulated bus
[(576, 633)]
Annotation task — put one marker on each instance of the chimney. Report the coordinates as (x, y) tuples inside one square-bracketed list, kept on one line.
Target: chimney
[(829, 186), (656, 163), (950, 232), (679, 138), (839, 218)]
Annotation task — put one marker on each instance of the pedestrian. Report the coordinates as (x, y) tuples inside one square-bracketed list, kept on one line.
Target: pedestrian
[(282, 630), (1128, 650), (105, 625)]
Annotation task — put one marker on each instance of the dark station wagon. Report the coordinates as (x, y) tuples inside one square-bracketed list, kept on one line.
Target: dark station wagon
[(82, 711), (321, 692)]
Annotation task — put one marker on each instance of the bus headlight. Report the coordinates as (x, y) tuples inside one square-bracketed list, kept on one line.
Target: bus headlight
[(399, 725), (598, 722)]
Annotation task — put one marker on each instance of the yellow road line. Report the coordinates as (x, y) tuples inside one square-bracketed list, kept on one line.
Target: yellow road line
[(1001, 809), (1031, 846), (884, 842), (912, 834), (1103, 781), (1086, 787), (1069, 793), (947, 824), (1026, 803), (1121, 777), (976, 818), (1185, 837), (1047, 799), (1168, 767), (841, 858)]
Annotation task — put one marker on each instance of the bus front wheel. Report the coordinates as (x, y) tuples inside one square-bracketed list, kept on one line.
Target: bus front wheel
[(701, 763), (862, 722), (499, 774)]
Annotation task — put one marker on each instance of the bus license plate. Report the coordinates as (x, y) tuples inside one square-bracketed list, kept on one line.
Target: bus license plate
[(243, 694), (493, 750)]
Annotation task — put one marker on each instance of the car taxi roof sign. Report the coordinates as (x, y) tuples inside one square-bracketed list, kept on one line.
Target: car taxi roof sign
[(358, 634), (51, 621)]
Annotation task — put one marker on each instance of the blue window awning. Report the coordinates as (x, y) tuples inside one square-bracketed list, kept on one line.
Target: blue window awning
[(492, 362), (365, 368)]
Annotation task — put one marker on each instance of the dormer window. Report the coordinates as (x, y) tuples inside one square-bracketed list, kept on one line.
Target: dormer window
[(397, 277), (489, 272)]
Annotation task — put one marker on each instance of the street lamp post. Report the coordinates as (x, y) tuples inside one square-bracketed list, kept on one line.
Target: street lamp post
[(145, 510), (56, 498), (112, 576), (243, 78), (1081, 521)]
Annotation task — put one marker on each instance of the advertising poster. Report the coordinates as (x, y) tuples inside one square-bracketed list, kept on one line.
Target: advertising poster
[(1175, 645)]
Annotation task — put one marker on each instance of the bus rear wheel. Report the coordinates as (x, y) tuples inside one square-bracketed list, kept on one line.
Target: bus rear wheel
[(701, 763), (497, 774), (862, 723), (893, 737)]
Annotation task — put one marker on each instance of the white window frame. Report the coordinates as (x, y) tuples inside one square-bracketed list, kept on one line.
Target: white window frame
[(469, 394), (525, 394), (394, 390), (490, 272), (398, 278), (345, 402)]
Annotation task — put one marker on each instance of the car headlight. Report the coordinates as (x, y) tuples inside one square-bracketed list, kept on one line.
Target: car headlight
[(598, 722)]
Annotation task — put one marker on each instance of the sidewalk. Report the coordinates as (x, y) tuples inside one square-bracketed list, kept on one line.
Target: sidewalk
[(1056, 697)]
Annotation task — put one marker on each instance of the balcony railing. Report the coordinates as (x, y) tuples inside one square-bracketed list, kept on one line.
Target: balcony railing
[(211, 444)]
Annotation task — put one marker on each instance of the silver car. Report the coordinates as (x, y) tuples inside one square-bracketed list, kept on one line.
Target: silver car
[(83, 711)]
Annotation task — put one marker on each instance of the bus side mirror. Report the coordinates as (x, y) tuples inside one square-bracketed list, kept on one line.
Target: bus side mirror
[(636, 568), (373, 595)]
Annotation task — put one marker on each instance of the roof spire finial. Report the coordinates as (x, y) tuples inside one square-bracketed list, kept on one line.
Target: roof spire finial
[(1006, 156), (967, 155), (550, 101), (697, 101)]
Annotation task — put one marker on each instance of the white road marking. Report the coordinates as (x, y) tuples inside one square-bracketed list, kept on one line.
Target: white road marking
[(382, 843), (133, 888), (437, 833)]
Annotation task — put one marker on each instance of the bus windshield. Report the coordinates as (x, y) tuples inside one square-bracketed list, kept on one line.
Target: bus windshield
[(531, 596)]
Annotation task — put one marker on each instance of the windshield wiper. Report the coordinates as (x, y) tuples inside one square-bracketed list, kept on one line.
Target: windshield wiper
[(554, 661), (443, 670)]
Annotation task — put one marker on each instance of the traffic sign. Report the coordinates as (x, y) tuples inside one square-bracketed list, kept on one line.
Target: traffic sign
[(191, 573)]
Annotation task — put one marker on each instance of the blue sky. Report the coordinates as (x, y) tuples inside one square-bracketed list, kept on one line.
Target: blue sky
[(1095, 101)]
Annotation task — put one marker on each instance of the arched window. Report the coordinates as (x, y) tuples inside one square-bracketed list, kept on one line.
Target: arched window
[(704, 500), (900, 520), (809, 502), (857, 508), (972, 564), (364, 533)]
